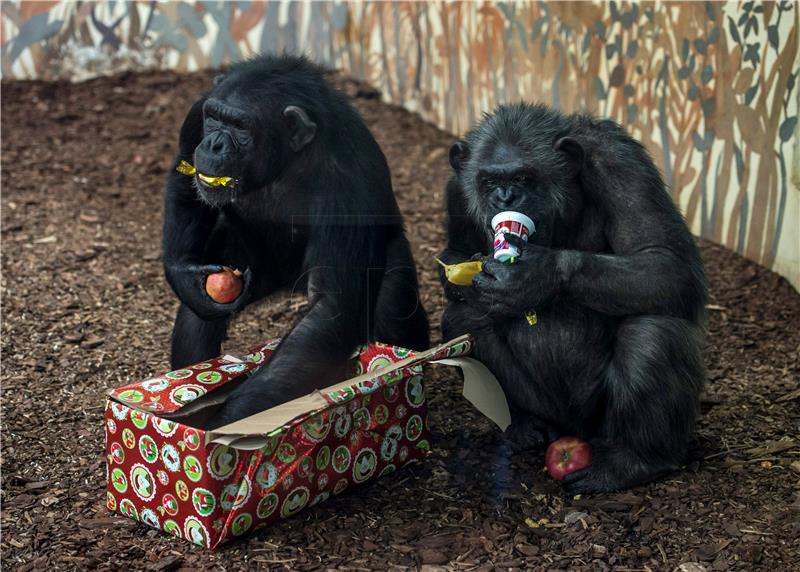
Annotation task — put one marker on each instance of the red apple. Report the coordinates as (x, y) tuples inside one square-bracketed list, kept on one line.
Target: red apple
[(567, 455), (224, 287)]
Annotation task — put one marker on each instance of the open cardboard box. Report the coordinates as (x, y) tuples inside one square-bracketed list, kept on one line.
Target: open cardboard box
[(208, 486)]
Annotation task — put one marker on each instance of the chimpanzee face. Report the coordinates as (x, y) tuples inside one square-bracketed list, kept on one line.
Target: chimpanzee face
[(246, 140), (531, 177), (228, 143)]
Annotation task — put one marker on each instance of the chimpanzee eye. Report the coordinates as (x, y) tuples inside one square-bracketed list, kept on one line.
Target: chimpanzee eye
[(243, 135)]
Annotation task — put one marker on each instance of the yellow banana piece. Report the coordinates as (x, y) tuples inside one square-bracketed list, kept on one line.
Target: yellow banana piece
[(188, 169), (461, 274), (185, 168)]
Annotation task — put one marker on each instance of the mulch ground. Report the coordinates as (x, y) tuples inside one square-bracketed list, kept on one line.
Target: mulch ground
[(86, 307)]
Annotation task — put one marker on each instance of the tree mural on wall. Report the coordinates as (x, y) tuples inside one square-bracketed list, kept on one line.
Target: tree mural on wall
[(709, 87)]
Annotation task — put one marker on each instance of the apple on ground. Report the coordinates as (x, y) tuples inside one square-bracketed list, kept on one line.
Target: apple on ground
[(567, 455), (224, 287)]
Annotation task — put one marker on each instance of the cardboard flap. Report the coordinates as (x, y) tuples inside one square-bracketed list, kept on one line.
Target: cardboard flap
[(482, 389), (277, 417), (177, 394)]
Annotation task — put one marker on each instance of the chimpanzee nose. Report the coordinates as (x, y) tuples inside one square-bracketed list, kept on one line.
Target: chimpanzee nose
[(505, 196), (218, 142)]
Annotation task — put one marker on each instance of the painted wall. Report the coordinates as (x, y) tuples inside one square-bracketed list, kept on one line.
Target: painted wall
[(710, 88)]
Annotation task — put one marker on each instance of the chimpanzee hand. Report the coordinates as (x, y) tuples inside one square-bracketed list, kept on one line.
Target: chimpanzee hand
[(257, 394), (509, 290), (189, 280)]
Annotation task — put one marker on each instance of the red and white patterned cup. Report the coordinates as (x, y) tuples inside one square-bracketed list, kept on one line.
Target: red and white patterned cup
[(510, 222)]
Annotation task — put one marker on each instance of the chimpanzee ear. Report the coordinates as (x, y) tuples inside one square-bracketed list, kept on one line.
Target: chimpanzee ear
[(459, 154), (573, 149), (301, 129)]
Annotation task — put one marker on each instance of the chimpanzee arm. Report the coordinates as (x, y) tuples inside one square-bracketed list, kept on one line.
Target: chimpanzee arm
[(655, 267), (188, 223), (654, 280), (346, 262), (464, 238)]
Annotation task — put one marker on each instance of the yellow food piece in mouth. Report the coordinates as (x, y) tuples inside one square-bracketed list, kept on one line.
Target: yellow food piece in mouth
[(461, 274), (187, 169)]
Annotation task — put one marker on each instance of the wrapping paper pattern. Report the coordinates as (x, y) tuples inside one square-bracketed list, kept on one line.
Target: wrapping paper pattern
[(161, 473), (170, 392)]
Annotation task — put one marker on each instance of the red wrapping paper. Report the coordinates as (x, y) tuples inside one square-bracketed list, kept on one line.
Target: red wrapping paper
[(162, 473)]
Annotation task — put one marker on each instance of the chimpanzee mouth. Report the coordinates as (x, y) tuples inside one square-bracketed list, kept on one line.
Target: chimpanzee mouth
[(211, 183), (207, 182)]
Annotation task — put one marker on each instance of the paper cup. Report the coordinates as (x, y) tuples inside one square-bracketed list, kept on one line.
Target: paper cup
[(510, 222)]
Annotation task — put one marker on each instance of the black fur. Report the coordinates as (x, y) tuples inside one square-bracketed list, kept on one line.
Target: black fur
[(613, 274), (312, 209)]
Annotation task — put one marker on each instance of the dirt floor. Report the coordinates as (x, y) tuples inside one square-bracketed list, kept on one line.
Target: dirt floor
[(86, 307)]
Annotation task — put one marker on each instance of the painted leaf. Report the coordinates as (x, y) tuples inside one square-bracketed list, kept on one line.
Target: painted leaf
[(787, 128), (617, 76), (700, 45), (750, 94), (599, 90), (772, 36), (710, 12), (734, 31), (752, 53), (707, 75), (587, 38), (699, 142), (632, 111), (600, 29)]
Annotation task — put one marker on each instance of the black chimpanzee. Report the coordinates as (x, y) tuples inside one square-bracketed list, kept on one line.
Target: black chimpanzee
[(614, 277), (310, 206)]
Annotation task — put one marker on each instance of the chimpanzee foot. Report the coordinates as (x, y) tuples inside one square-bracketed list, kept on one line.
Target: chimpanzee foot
[(612, 471)]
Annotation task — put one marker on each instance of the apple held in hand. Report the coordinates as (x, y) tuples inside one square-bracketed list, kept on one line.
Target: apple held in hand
[(567, 455), (224, 287)]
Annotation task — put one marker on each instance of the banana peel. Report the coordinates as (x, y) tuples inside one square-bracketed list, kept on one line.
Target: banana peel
[(461, 274), (186, 168)]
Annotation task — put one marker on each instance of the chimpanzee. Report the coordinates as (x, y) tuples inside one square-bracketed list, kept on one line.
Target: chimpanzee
[(309, 207), (613, 275)]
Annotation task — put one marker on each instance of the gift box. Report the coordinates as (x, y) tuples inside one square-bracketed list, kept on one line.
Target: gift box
[(208, 486)]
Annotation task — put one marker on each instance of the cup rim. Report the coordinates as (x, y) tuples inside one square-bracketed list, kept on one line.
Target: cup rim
[(513, 216)]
